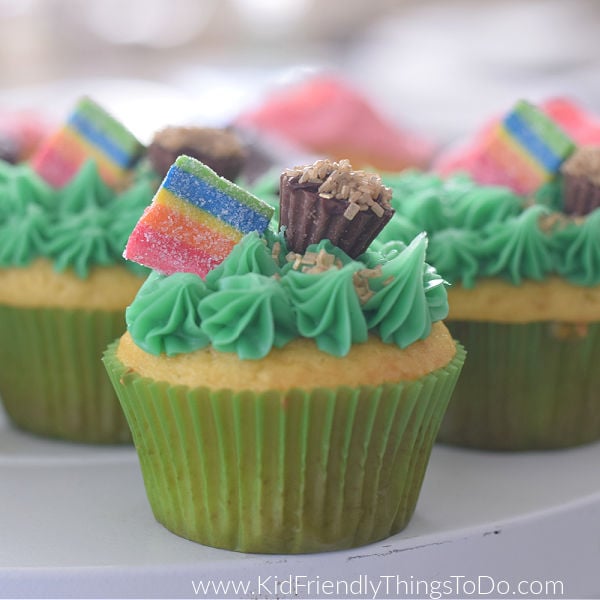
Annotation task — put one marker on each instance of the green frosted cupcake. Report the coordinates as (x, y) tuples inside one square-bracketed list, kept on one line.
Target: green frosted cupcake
[(64, 289), (525, 302), (287, 402)]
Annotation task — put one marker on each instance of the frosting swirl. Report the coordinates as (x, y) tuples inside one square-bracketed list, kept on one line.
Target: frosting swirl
[(251, 257), (457, 254), (400, 307), (487, 231), (247, 314), (578, 250), (175, 298), (262, 296), (24, 224), (518, 247), (328, 308), (82, 225)]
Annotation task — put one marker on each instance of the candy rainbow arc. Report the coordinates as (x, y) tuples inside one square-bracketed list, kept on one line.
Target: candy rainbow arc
[(524, 150), (194, 221), (89, 133)]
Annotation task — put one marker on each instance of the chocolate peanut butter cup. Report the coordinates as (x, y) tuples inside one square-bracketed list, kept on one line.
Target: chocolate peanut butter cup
[(220, 149), (329, 200), (581, 181)]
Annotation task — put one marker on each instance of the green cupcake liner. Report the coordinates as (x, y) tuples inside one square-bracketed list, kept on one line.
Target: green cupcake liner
[(52, 381), (284, 472), (525, 387)]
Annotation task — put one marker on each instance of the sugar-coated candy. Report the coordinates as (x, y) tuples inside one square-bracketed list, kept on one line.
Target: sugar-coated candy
[(579, 123), (194, 221), (523, 150), (89, 133)]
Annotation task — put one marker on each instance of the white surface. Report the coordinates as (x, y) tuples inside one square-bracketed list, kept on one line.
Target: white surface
[(74, 522)]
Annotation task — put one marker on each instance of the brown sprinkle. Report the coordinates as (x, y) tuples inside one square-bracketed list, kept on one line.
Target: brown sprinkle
[(319, 262), (552, 222), (361, 282), (361, 285), (295, 258), (275, 250), (313, 262), (351, 211)]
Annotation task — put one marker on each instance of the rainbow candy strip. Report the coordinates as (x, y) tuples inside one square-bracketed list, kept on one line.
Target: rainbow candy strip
[(525, 150), (89, 133), (194, 221)]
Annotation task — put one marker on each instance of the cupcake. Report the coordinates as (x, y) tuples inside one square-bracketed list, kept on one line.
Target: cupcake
[(524, 300), (64, 290), (287, 402)]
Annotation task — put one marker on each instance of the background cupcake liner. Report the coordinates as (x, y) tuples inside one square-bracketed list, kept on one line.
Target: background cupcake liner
[(284, 472), (525, 386), (52, 381)]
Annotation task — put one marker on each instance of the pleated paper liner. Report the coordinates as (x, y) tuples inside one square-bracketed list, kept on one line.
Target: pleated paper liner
[(52, 381), (284, 472), (527, 386)]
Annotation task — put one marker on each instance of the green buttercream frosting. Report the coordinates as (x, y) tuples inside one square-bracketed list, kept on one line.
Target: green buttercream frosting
[(328, 308), (487, 231), (457, 254), (258, 299), (578, 250), (164, 317), (518, 248), (247, 314), (252, 256), (25, 201), (400, 307), (82, 225)]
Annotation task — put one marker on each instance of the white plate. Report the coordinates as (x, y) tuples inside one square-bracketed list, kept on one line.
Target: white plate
[(74, 522)]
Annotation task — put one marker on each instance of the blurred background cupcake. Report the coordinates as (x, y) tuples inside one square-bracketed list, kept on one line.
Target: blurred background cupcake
[(65, 216), (525, 274)]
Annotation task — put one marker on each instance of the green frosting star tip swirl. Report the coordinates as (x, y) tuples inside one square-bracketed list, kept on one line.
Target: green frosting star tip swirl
[(256, 300), (80, 226), (480, 231)]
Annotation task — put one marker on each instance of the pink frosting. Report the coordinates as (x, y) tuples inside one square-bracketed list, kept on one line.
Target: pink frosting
[(328, 117)]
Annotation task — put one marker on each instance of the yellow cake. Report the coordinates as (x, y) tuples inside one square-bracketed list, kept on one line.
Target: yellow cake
[(299, 364)]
